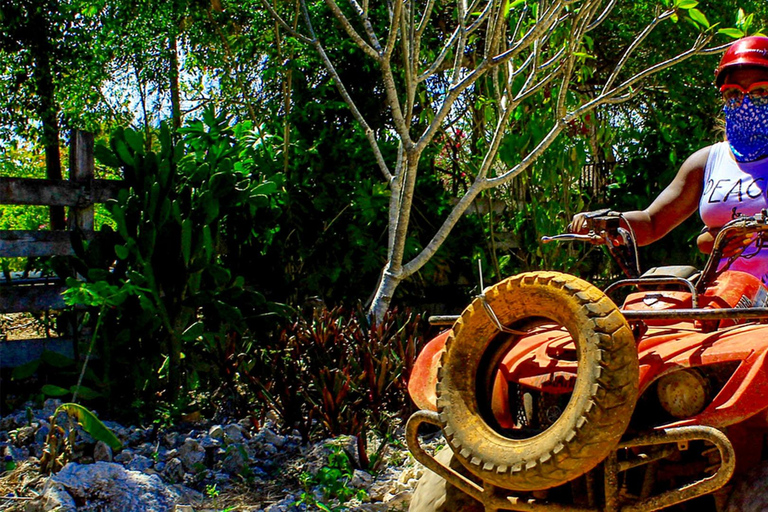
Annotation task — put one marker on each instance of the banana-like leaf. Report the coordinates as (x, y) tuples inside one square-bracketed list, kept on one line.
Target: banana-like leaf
[(91, 424)]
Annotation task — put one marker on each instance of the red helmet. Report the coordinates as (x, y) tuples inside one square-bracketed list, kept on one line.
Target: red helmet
[(747, 51)]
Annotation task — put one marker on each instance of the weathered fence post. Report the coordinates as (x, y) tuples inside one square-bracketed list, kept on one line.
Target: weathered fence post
[(81, 172)]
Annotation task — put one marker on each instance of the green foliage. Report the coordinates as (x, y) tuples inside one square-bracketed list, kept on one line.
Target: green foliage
[(55, 375), (60, 443), (90, 424), (168, 297), (332, 482), (636, 147), (743, 26)]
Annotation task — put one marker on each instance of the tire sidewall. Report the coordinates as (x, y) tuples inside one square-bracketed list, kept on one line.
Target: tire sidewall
[(484, 451)]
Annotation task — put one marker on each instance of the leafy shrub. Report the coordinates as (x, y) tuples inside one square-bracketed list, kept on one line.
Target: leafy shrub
[(185, 210), (332, 481), (335, 373), (60, 442)]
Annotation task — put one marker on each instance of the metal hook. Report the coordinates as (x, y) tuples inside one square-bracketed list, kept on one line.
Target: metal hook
[(489, 310)]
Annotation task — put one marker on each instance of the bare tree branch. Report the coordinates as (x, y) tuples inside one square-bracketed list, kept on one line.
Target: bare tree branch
[(639, 77), (393, 24), (458, 57), (526, 93), (632, 47), (423, 22), (350, 30), (529, 158), (603, 16), (288, 28), (363, 14), (525, 57), (369, 134), (441, 56), (533, 33)]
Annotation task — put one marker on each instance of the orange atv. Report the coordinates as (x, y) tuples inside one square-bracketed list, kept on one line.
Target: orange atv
[(552, 398)]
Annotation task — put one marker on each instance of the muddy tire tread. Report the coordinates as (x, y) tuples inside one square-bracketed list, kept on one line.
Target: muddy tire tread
[(610, 398)]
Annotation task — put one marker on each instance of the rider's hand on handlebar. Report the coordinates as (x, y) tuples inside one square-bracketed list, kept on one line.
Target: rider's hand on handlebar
[(579, 224), (706, 242)]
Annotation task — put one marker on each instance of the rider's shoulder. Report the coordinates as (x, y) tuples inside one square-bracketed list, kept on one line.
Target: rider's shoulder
[(698, 160)]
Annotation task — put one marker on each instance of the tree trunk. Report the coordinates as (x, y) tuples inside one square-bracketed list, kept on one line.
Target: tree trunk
[(47, 109), (175, 88), (383, 297)]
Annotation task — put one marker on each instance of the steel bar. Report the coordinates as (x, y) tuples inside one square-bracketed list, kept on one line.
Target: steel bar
[(641, 460), (443, 319), (667, 314), (694, 489), (493, 498), (698, 314), (498, 498), (412, 440), (611, 483)]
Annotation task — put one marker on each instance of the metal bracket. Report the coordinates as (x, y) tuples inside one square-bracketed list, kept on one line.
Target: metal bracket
[(495, 498)]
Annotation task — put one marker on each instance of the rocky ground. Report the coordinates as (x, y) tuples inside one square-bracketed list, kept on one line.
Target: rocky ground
[(197, 467)]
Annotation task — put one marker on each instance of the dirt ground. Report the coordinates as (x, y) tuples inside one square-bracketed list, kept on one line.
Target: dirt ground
[(25, 326)]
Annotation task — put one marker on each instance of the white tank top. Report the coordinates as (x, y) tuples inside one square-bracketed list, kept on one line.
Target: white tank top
[(732, 189)]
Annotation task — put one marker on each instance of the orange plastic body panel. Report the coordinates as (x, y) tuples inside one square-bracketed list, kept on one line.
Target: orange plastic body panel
[(545, 359), (422, 384)]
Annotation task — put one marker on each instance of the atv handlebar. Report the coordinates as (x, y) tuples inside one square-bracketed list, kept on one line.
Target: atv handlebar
[(605, 229), (591, 238)]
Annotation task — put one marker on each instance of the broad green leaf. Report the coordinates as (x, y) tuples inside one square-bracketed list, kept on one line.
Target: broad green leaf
[(207, 242), (154, 196), (266, 188), (698, 16), (686, 4), (210, 205), (731, 32), (221, 275), (56, 360), (86, 393), (91, 424), (105, 155), (122, 151), (135, 140), (748, 22), (122, 252), (26, 370), (51, 390)]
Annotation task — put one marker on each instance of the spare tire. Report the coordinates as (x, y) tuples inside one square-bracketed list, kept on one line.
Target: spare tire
[(603, 398)]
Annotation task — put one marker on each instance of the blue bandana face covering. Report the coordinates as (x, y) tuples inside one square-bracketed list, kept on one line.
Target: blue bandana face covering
[(747, 130)]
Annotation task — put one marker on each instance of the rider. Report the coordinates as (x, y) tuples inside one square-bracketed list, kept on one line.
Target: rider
[(726, 179)]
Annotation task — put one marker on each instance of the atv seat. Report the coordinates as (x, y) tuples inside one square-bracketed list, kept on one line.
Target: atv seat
[(683, 271)]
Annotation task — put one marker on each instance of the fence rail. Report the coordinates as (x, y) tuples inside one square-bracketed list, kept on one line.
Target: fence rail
[(79, 193)]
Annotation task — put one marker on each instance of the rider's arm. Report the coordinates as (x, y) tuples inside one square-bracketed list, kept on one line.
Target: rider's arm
[(675, 203)]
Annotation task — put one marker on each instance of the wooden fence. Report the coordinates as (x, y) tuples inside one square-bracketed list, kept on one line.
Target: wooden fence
[(80, 193)]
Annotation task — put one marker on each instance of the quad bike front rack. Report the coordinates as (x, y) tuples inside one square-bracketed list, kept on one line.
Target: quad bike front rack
[(689, 314), (496, 498)]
